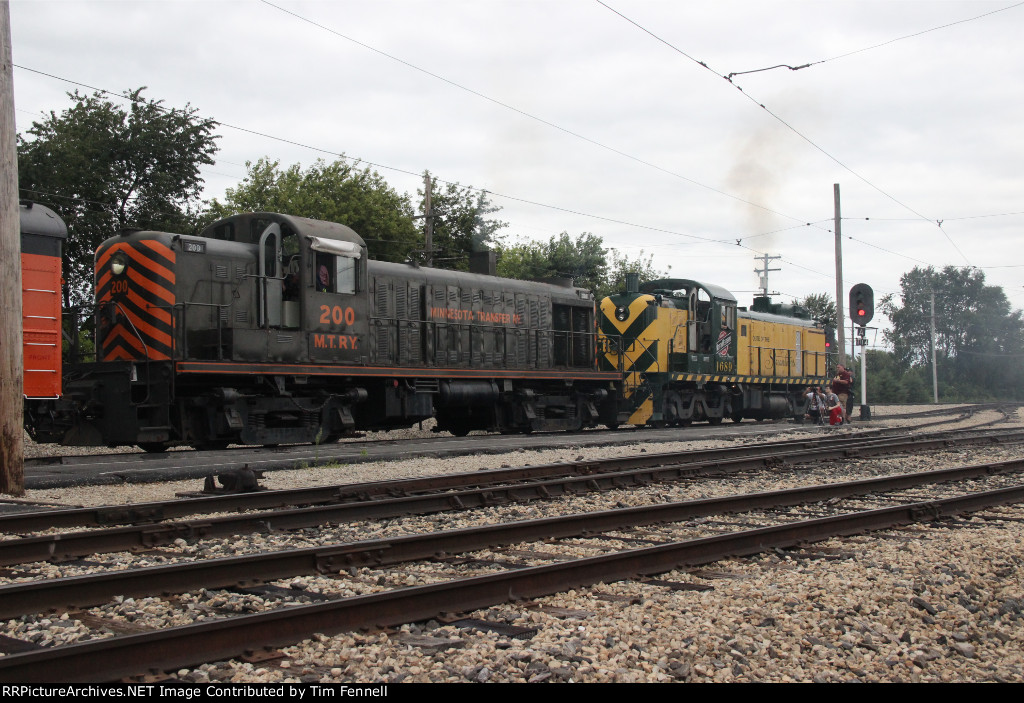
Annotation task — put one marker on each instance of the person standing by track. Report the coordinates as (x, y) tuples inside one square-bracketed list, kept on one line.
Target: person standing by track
[(841, 385)]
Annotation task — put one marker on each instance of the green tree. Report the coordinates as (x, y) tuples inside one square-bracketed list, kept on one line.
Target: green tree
[(622, 264), (461, 223), (978, 337), (888, 382), (582, 259), (334, 192), (822, 309), (103, 167)]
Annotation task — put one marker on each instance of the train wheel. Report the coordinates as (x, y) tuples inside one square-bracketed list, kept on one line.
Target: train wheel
[(737, 418), (152, 447), (715, 420)]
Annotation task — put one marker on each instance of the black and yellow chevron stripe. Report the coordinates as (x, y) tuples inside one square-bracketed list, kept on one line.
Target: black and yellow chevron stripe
[(637, 350)]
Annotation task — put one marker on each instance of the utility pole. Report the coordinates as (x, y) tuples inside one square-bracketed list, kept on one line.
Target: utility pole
[(935, 372), (428, 220), (12, 438), (762, 273), (840, 330)]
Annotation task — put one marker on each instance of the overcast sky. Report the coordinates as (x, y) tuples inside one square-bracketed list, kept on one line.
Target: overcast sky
[(577, 118)]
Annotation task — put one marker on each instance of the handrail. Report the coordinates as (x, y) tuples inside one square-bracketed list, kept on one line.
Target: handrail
[(138, 335)]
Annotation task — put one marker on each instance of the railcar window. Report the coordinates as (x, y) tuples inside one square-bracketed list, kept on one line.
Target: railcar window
[(257, 227), (335, 274), (225, 232), (270, 257), (323, 276), (289, 244), (345, 277)]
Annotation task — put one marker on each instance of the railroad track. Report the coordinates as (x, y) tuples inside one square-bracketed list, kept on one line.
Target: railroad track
[(537, 557), (147, 526), (117, 468)]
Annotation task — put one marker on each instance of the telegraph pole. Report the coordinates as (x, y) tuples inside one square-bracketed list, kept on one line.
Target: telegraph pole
[(841, 342), (762, 273), (429, 220), (12, 438), (935, 370)]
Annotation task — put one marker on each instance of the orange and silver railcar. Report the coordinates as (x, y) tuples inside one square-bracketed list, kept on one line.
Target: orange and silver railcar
[(42, 235)]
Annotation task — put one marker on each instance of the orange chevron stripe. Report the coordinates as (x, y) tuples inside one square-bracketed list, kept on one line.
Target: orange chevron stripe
[(152, 287), (147, 330), (120, 332), (164, 251)]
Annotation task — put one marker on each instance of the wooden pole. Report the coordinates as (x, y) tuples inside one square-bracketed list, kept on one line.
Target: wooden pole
[(428, 232), (12, 439), (840, 329)]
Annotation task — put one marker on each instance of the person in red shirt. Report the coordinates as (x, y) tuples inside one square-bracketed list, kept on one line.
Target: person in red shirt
[(835, 410), (841, 387)]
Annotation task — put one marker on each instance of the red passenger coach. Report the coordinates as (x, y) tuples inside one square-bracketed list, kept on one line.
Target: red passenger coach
[(42, 232)]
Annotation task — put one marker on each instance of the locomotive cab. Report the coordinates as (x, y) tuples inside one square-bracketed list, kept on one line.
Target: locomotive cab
[(307, 272)]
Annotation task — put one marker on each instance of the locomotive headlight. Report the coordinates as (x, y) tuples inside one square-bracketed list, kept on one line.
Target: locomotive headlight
[(621, 313), (118, 264)]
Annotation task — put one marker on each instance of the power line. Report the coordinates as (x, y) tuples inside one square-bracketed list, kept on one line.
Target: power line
[(788, 126), (525, 201), (357, 161), (917, 34), (524, 113), (875, 46)]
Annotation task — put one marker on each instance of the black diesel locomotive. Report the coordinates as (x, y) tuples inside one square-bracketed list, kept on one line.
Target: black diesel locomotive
[(268, 329)]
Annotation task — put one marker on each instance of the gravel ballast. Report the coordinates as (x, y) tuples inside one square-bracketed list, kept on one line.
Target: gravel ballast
[(927, 603)]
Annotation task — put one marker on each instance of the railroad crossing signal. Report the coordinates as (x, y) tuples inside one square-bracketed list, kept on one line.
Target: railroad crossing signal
[(862, 303)]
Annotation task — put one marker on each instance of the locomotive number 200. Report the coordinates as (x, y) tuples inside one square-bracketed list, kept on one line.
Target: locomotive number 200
[(337, 315), (119, 287)]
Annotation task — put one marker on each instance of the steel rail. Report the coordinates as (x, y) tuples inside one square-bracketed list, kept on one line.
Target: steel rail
[(152, 512), (189, 645), (76, 544), (166, 510), (324, 453), (243, 571)]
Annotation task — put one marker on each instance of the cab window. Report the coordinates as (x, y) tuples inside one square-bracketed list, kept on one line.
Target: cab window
[(335, 274)]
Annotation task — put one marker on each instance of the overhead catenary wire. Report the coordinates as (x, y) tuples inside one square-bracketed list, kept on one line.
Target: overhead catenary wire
[(737, 241), (787, 125), (874, 46), (357, 161), (526, 114), (490, 192)]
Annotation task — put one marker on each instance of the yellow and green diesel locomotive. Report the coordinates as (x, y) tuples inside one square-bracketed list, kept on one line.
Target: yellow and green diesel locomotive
[(688, 353)]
